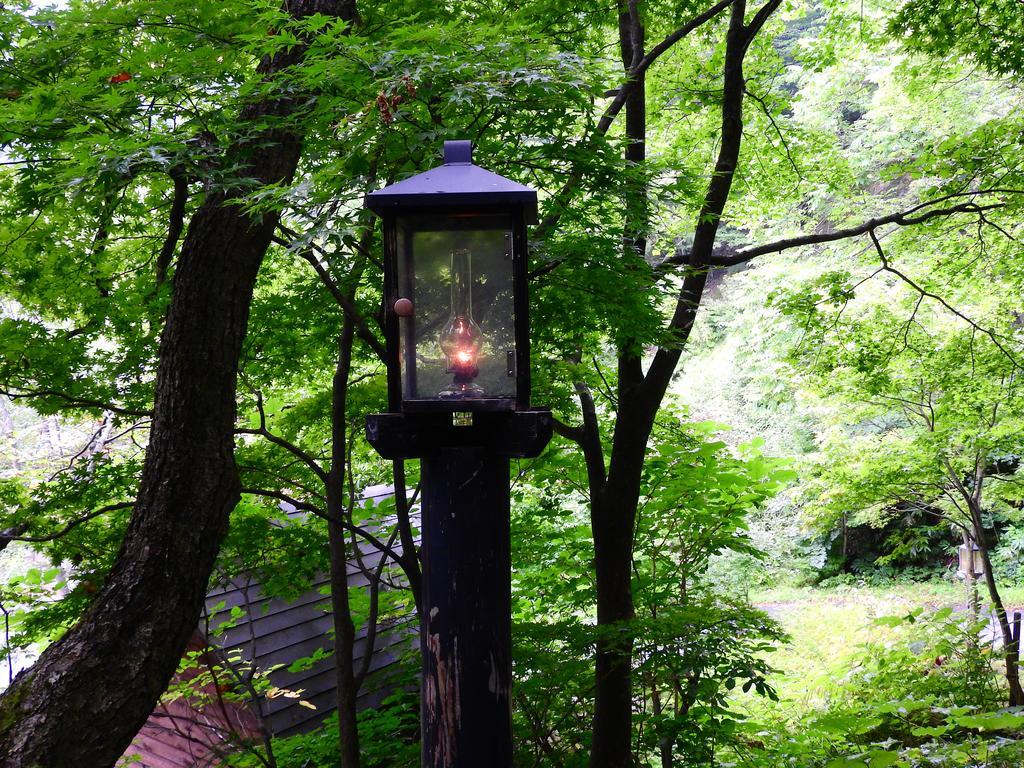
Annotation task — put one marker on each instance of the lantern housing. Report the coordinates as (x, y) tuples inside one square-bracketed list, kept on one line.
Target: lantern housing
[(455, 287), (969, 562)]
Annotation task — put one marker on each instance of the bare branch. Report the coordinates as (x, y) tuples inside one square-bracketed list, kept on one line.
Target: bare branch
[(304, 506), (778, 131), (175, 223), (590, 437), (371, 620), (760, 18), (730, 258), (410, 562), (72, 401), (344, 301), (279, 441), (569, 432), (7, 536), (715, 198), (935, 297), (319, 512)]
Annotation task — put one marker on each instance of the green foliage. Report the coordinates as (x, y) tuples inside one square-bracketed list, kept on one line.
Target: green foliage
[(926, 404), (388, 736), (103, 106), (989, 31), (693, 645), (1009, 556), (693, 656), (928, 695)]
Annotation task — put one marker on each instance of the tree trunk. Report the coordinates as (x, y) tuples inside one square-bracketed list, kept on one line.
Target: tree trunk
[(613, 694), (91, 691), (613, 516), (1011, 650), (614, 503), (344, 629)]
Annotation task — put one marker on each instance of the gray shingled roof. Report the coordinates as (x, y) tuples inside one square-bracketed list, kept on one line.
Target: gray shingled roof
[(273, 631)]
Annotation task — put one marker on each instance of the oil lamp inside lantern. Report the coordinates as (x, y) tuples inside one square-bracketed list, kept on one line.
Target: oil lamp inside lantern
[(461, 339)]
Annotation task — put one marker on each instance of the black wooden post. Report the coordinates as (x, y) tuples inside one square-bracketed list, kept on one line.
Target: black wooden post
[(467, 625)]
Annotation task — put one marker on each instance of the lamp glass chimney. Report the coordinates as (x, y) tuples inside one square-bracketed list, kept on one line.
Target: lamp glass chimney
[(461, 338)]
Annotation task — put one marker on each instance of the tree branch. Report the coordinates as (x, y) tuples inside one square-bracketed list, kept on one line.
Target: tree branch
[(730, 258), (304, 506), (8, 536), (634, 74), (175, 223), (73, 402), (590, 437), (319, 512), (641, 66), (345, 302), (778, 132), (293, 449), (760, 18), (371, 620), (935, 297), (569, 432), (410, 561), (733, 87)]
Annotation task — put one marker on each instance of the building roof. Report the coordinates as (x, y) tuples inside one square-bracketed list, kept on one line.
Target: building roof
[(272, 632)]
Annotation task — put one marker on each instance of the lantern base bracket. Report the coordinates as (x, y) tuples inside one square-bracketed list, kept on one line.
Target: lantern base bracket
[(516, 434)]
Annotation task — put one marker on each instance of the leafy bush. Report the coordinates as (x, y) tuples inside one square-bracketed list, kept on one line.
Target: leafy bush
[(693, 656), (388, 738), (928, 697), (1008, 557), (692, 643)]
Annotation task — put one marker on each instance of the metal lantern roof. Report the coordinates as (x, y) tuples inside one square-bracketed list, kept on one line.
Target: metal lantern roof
[(457, 183)]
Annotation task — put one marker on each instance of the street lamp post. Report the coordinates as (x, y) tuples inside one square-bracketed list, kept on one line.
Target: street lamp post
[(457, 331)]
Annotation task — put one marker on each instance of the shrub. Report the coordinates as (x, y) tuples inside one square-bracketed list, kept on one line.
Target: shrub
[(928, 697)]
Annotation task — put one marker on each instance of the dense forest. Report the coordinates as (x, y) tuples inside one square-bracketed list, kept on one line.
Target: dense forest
[(775, 307)]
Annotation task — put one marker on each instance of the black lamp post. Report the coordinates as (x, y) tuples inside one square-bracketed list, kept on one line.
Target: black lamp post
[(457, 329)]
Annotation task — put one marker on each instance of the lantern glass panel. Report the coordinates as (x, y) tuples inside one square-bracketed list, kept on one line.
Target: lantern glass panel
[(970, 562), (966, 560), (458, 345)]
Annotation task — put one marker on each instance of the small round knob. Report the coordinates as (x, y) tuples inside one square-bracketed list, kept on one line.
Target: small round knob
[(403, 307)]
